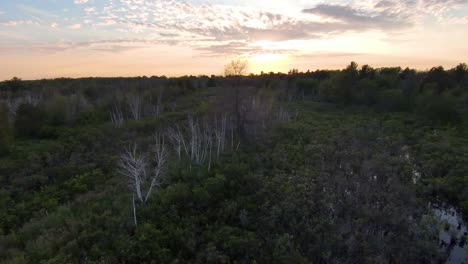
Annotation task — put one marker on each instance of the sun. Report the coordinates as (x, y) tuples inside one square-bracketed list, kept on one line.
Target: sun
[(267, 62)]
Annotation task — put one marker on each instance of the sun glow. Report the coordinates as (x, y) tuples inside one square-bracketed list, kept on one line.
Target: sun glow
[(266, 57), (267, 62)]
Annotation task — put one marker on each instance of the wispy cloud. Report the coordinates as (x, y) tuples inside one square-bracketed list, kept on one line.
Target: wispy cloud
[(359, 19), (453, 20), (239, 48), (89, 9), (75, 26), (116, 45), (13, 23), (219, 29), (438, 7), (187, 21)]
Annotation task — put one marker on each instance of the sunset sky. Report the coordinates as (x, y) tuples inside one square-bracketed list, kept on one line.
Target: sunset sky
[(78, 38)]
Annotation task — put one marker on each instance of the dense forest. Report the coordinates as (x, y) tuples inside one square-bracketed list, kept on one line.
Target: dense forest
[(330, 166)]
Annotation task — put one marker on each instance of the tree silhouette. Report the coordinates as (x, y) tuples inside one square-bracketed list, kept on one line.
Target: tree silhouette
[(15, 84), (236, 67)]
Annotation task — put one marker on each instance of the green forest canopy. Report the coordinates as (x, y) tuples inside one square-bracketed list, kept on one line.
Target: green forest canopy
[(303, 167)]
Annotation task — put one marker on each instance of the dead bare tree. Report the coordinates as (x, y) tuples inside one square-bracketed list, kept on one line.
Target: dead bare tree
[(13, 105), (220, 134), (156, 107), (76, 104), (208, 137), (116, 115), (160, 158), (232, 127), (133, 165), (159, 106), (195, 148), (173, 105), (33, 99), (258, 114), (177, 139), (201, 142), (134, 104), (283, 115)]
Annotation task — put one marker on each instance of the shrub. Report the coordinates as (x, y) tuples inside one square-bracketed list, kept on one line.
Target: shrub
[(391, 100), (439, 108), (28, 121), (5, 133)]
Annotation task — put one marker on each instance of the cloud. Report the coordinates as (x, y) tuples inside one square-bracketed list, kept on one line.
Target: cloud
[(13, 23), (89, 9), (112, 46), (223, 29), (463, 20), (240, 48), (384, 4), (75, 26), (360, 19), (325, 54), (438, 7), (108, 22), (189, 21), (219, 29), (230, 48), (228, 23)]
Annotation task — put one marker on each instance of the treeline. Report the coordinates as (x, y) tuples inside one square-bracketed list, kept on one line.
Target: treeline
[(37, 109), (437, 94)]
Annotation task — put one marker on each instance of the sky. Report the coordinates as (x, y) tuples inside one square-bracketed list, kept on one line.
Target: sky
[(90, 38)]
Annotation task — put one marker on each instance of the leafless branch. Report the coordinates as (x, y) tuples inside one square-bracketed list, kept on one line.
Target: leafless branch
[(134, 103), (116, 115), (160, 157), (132, 164)]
